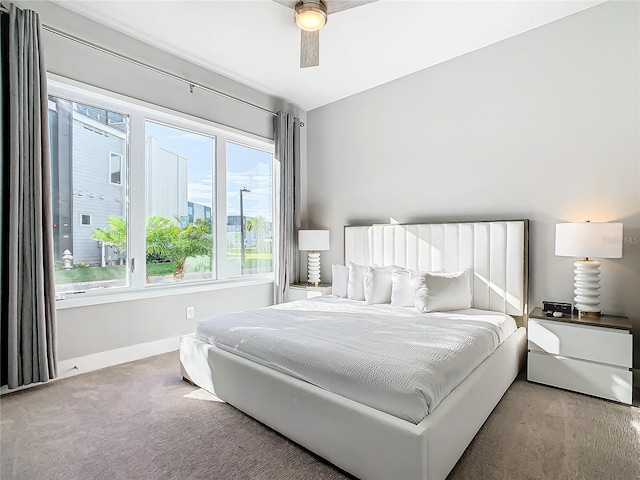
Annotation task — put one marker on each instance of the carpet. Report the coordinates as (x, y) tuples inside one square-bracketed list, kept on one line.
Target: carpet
[(141, 421)]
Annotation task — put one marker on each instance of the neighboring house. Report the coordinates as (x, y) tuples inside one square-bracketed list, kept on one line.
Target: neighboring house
[(259, 233), (89, 165), (197, 210), (233, 232), (166, 183), (88, 176)]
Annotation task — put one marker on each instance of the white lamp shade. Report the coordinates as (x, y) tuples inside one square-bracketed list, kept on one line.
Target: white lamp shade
[(313, 240), (589, 240)]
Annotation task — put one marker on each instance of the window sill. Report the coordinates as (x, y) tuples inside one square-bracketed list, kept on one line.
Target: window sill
[(104, 297)]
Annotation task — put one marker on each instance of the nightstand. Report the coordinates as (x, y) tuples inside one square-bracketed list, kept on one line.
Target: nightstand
[(591, 355), (301, 291)]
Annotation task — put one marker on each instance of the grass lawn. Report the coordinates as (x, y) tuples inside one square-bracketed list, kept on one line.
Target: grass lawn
[(258, 256), (262, 261), (249, 254), (92, 274)]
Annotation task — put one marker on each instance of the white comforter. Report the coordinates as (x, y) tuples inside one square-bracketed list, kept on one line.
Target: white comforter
[(393, 359)]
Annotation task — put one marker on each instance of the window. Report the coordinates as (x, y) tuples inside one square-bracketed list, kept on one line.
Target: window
[(115, 168), (145, 198), (86, 207), (180, 179), (249, 210)]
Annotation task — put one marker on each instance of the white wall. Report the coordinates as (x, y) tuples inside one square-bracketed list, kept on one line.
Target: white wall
[(543, 126), (93, 329)]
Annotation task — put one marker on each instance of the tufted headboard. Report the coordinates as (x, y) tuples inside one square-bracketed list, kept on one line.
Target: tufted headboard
[(495, 252)]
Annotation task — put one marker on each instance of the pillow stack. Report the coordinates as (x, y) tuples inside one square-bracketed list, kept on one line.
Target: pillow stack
[(441, 292), (340, 282), (377, 284), (401, 287), (355, 290)]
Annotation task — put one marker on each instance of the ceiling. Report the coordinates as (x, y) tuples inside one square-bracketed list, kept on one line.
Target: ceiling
[(257, 42)]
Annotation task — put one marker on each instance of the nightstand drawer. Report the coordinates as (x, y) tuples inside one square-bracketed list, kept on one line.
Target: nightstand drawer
[(299, 291), (301, 294), (613, 383), (596, 344)]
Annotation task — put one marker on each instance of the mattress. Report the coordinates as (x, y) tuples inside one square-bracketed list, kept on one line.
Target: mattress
[(393, 359)]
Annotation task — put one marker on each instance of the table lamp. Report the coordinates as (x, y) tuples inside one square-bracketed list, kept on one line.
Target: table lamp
[(313, 241), (587, 240)]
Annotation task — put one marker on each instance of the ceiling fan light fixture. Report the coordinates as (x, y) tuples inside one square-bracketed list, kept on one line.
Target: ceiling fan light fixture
[(311, 16)]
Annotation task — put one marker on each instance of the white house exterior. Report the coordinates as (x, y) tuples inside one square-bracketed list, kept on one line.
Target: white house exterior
[(166, 182)]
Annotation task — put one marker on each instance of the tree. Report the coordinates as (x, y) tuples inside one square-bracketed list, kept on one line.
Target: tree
[(159, 232), (164, 239), (115, 236), (260, 229)]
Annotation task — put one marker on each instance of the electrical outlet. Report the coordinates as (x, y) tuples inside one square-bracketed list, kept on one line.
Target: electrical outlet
[(191, 313)]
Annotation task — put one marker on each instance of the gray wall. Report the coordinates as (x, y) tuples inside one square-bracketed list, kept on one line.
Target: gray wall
[(543, 126), (139, 321), (87, 65), (94, 329)]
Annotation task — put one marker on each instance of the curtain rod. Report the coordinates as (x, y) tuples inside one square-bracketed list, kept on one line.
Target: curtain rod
[(120, 56)]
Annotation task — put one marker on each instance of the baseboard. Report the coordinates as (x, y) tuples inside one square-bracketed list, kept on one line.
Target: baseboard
[(76, 366)]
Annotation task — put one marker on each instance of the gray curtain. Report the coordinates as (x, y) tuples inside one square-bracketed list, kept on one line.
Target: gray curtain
[(4, 141), (287, 150), (30, 355)]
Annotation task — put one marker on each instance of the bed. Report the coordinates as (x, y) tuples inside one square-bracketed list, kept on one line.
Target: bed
[(369, 442)]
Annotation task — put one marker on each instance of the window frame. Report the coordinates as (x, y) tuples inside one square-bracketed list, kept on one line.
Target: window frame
[(274, 196), (190, 129), (111, 156), (138, 113)]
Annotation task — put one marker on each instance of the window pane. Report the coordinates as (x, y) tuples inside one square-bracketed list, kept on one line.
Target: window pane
[(89, 210), (180, 193), (115, 167), (249, 210)]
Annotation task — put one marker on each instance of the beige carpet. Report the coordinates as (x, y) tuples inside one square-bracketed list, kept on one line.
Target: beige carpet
[(141, 421)]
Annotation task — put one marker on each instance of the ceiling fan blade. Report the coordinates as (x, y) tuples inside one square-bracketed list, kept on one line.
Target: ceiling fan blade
[(309, 49), (287, 3), (334, 6)]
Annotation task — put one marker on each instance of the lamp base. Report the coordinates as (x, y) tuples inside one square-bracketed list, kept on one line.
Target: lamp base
[(587, 288), (313, 268)]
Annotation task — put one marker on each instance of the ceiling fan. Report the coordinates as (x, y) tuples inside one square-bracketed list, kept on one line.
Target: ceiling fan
[(311, 16)]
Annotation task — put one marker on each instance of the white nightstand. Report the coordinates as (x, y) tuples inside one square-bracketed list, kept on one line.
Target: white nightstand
[(591, 355), (301, 291)]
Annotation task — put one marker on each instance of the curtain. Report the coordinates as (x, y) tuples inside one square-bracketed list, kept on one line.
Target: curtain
[(4, 141), (287, 152), (30, 355)]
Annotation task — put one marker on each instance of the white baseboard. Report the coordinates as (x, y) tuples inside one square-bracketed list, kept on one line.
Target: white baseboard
[(96, 361)]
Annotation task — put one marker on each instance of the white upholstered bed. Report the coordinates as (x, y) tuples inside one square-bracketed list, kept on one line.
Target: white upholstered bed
[(363, 440)]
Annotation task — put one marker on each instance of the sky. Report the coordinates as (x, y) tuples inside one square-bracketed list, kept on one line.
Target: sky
[(246, 168)]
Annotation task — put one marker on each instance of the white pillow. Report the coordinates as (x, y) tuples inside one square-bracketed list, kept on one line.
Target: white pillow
[(377, 285), (339, 280), (440, 292), (401, 291), (355, 287)]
